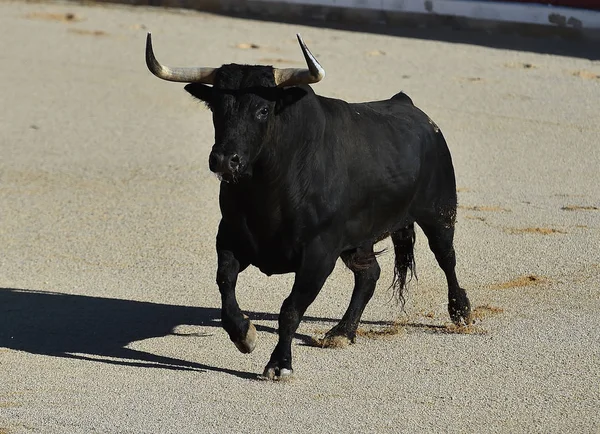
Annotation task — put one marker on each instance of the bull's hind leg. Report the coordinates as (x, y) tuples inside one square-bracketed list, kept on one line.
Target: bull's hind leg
[(366, 271), (441, 242)]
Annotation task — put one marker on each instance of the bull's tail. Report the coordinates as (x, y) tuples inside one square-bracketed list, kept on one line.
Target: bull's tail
[(404, 244)]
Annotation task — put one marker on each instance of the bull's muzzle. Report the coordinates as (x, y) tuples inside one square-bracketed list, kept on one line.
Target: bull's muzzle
[(224, 164)]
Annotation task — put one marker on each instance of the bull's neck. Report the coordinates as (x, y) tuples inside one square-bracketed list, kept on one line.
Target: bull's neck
[(284, 172), (292, 141)]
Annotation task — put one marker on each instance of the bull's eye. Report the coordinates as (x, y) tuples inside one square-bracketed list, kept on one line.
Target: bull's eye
[(262, 113)]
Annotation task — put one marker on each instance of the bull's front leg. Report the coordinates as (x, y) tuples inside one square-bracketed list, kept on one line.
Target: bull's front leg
[(230, 264), (316, 267)]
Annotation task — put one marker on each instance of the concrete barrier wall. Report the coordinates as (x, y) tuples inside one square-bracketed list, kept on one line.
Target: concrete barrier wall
[(527, 13), (491, 15)]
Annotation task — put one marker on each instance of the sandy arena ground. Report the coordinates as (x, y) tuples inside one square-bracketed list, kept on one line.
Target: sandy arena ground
[(109, 317)]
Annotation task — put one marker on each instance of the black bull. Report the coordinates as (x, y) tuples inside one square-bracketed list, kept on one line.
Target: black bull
[(307, 180)]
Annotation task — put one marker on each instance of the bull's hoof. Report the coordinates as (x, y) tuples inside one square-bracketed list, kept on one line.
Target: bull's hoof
[(272, 373), (248, 343), (460, 311), (334, 341)]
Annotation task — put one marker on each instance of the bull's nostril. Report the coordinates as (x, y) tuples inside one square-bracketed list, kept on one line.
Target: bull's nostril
[(234, 162)]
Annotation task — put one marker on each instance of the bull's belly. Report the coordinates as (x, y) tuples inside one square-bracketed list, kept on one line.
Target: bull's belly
[(274, 256), (370, 228), (276, 253), (274, 262)]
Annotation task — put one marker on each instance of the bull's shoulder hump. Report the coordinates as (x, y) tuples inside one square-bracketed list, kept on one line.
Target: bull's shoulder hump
[(402, 97), (400, 105)]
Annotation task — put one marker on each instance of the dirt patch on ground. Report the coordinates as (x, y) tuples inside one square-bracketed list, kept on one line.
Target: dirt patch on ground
[(579, 208), (423, 324), (471, 79), (453, 329), (446, 329), (67, 17), (394, 329), (588, 75), (275, 61), (485, 311), (474, 217), (516, 96), (247, 46), (521, 281), (540, 231), (520, 65), (485, 208), (88, 32)]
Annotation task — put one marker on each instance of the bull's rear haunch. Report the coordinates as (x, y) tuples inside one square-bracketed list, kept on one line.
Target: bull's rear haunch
[(307, 179)]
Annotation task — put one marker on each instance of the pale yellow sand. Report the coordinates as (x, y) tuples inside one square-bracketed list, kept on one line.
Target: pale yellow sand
[(108, 215)]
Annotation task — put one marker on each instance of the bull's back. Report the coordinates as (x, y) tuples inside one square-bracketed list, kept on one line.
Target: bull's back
[(394, 154), (435, 186), (397, 128), (392, 137)]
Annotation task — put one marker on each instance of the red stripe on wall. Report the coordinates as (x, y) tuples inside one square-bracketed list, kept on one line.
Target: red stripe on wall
[(585, 4)]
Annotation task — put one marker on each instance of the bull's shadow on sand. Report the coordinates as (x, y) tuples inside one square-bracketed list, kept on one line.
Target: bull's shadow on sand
[(99, 329), (94, 328)]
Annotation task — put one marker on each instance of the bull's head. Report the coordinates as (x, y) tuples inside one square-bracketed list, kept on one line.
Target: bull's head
[(244, 101)]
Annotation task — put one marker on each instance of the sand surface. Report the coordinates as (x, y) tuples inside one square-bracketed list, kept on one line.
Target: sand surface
[(109, 314)]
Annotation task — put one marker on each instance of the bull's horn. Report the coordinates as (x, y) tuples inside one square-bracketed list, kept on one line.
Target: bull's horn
[(182, 75), (295, 76)]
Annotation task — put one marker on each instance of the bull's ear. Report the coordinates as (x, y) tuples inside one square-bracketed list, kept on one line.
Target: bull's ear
[(288, 97), (201, 91)]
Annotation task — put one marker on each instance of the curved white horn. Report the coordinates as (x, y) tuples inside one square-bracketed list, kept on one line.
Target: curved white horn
[(178, 74), (295, 76)]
